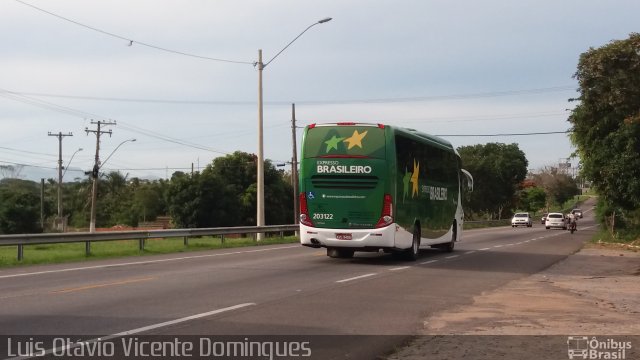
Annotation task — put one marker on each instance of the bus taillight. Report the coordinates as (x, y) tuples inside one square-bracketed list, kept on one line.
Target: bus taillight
[(305, 219), (386, 217)]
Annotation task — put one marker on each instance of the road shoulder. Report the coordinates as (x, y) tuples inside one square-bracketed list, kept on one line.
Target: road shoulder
[(594, 291)]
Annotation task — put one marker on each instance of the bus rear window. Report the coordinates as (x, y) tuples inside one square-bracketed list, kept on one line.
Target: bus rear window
[(344, 141)]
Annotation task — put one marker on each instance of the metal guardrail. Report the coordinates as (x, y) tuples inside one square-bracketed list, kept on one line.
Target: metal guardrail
[(140, 235)]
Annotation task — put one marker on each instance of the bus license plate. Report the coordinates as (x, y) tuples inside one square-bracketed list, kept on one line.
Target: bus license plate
[(343, 236)]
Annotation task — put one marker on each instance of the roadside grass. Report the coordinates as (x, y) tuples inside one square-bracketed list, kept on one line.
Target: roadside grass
[(71, 252), (468, 225), (624, 237)]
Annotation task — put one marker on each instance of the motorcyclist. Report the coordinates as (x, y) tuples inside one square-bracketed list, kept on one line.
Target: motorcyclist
[(573, 223)]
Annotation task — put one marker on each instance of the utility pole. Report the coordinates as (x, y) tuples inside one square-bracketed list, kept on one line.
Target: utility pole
[(260, 159), (96, 170), (294, 165), (42, 203), (60, 221)]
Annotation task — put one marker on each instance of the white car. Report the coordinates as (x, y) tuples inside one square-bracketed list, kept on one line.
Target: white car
[(521, 219), (555, 220)]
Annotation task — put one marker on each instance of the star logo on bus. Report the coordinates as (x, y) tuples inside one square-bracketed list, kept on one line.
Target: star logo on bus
[(405, 184), (355, 139), (414, 178), (333, 143)]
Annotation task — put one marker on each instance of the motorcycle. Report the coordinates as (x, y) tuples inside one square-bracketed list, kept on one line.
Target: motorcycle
[(572, 226)]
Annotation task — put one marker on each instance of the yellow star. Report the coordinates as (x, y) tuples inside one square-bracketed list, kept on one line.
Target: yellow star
[(355, 139), (414, 178)]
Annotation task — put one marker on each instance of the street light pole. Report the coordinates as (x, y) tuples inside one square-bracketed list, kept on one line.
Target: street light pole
[(260, 159), (294, 165)]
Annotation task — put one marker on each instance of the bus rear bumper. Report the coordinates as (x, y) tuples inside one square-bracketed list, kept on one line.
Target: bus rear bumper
[(358, 239)]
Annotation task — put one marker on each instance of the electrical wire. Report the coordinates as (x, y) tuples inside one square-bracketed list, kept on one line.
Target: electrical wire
[(131, 41), (82, 114), (513, 134), (315, 102)]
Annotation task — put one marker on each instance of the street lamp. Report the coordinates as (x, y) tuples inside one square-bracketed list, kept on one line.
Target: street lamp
[(69, 163), (114, 150), (94, 190), (260, 160)]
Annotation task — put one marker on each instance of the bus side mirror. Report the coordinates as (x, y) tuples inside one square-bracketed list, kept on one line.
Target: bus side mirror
[(469, 179)]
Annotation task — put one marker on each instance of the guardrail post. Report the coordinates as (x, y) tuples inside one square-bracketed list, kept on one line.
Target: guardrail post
[(20, 252), (186, 240), (87, 248), (282, 234), (222, 239), (141, 244)]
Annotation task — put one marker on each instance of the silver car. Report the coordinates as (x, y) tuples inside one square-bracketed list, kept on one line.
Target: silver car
[(521, 219), (555, 220)]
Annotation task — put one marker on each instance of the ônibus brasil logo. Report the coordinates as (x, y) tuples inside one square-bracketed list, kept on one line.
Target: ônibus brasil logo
[(581, 347)]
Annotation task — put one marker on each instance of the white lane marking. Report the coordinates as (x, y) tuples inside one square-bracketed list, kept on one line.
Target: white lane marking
[(469, 252), (181, 320), (356, 277), (399, 268), (428, 262), (135, 331), (452, 256), (498, 246), (485, 249), (142, 262)]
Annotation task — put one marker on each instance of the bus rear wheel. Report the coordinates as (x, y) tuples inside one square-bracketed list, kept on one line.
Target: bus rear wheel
[(448, 247), (338, 253), (413, 252), (454, 236)]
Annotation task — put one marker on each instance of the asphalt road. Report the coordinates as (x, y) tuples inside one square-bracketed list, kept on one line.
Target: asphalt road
[(276, 290)]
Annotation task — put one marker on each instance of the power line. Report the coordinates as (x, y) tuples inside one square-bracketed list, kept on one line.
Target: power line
[(46, 105), (314, 102), (85, 115), (25, 151), (514, 134), (131, 41)]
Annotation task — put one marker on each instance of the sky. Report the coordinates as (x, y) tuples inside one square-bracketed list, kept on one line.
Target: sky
[(179, 76)]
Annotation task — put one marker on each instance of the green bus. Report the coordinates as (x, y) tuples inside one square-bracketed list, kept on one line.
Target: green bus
[(372, 187)]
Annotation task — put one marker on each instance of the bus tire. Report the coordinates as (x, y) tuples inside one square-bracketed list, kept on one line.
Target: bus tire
[(448, 247), (338, 253), (413, 252)]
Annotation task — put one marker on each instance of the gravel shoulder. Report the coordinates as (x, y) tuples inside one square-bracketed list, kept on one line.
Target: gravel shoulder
[(593, 292)]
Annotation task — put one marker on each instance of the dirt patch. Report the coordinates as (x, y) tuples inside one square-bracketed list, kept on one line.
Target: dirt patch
[(595, 291)]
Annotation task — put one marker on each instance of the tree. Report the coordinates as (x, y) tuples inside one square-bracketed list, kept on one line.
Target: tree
[(183, 199), (533, 198), (558, 185), (20, 207), (224, 194), (148, 198), (498, 170), (606, 121)]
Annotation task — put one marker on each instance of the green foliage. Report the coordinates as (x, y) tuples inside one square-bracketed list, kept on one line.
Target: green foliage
[(558, 185), (224, 194), (606, 122), (622, 224), (498, 170), (533, 199), (19, 207)]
